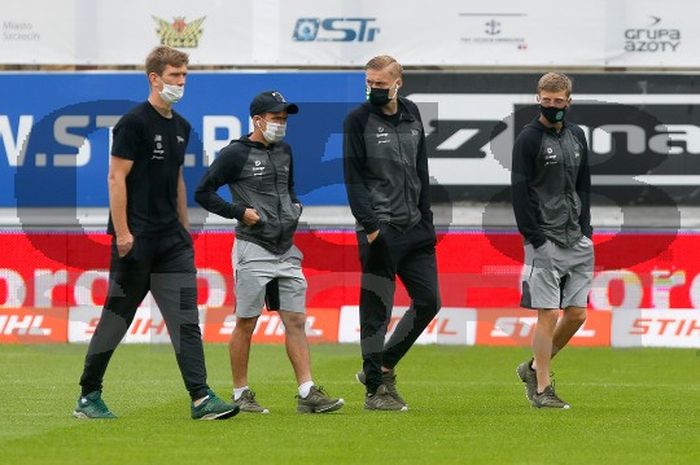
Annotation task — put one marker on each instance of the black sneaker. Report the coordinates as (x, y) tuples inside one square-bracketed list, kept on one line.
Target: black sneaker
[(548, 399), (318, 402), (528, 376), (389, 380), (247, 403), (383, 400)]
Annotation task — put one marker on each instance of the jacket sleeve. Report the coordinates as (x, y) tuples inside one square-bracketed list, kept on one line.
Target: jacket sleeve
[(422, 169), (354, 159), (583, 189), (290, 180), (524, 155), (226, 169)]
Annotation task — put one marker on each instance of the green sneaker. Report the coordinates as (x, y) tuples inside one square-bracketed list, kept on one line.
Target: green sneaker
[(214, 408), (528, 376), (318, 402), (383, 400), (388, 379), (548, 399), (247, 403), (92, 406)]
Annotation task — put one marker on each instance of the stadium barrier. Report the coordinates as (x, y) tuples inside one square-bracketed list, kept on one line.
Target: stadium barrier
[(646, 290)]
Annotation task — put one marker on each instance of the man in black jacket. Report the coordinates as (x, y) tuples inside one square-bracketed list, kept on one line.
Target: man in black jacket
[(386, 177), (267, 265), (551, 185)]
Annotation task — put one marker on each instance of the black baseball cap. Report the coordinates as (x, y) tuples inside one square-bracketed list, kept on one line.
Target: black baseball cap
[(271, 101)]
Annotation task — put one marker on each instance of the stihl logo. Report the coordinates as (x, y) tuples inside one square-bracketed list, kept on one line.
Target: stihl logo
[(139, 327), (28, 325), (439, 326), (665, 327), (270, 325), (523, 326)]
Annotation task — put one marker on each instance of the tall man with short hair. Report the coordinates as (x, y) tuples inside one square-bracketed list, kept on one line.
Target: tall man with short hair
[(151, 246), (386, 177), (267, 265), (551, 185)]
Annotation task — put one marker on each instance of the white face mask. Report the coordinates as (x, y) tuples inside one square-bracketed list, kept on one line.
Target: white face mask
[(274, 132), (171, 94)]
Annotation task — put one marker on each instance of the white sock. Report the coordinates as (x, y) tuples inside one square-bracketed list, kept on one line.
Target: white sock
[(199, 402), (238, 392), (305, 388)]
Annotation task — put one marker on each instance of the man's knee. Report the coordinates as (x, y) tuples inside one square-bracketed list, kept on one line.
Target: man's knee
[(295, 322), (245, 326), (576, 314)]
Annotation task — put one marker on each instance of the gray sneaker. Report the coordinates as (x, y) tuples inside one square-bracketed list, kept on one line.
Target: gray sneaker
[(548, 399), (247, 403), (389, 380), (318, 402), (528, 376), (383, 400)]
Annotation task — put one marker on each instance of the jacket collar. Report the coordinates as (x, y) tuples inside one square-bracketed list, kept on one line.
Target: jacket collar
[(404, 114)]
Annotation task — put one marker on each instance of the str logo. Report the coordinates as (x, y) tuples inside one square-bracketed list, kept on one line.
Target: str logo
[(335, 30), (179, 33)]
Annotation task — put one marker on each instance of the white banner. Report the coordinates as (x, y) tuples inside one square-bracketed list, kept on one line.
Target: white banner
[(451, 326), (656, 328), (597, 33)]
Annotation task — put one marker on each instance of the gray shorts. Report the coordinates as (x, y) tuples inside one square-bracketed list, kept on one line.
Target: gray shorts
[(260, 276), (557, 277)]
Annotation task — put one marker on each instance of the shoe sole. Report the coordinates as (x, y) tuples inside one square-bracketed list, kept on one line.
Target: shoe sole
[(565, 407), (259, 412), (82, 416), (331, 408), (402, 409), (221, 416)]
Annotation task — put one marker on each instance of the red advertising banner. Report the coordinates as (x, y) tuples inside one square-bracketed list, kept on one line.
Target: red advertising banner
[(43, 275)]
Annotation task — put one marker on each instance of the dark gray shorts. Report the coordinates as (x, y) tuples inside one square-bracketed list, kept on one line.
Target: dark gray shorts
[(254, 267), (557, 277)]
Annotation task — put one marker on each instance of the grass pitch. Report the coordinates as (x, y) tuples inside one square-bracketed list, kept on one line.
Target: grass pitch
[(466, 406)]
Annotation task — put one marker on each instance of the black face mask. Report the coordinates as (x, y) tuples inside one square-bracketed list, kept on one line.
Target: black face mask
[(378, 97), (553, 114)]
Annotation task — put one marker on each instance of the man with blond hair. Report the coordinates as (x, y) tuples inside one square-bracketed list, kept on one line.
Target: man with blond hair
[(387, 182), (151, 246), (551, 183)]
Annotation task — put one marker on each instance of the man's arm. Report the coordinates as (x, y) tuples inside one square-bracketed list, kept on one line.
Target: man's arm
[(290, 181), (354, 159), (119, 169), (226, 169), (182, 213), (583, 189), (524, 154)]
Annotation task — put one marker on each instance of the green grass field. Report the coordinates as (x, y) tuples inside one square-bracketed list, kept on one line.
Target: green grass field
[(628, 406)]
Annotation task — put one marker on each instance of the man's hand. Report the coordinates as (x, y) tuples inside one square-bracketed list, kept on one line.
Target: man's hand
[(250, 217), (372, 236), (124, 244)]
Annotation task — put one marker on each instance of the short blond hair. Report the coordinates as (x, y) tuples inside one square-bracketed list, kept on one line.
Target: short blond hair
[(380, 62), (161, 56), (554, 82)]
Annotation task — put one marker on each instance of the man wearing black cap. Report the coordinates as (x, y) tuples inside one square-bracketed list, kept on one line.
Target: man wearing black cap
[(266, 263)]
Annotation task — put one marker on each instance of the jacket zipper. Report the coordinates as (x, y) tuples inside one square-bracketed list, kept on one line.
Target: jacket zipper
[(404, 163), (279, 198)]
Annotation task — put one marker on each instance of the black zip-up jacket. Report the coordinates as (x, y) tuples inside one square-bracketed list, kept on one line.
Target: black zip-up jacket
[(259, 177), (386, 167), (551, 184)]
